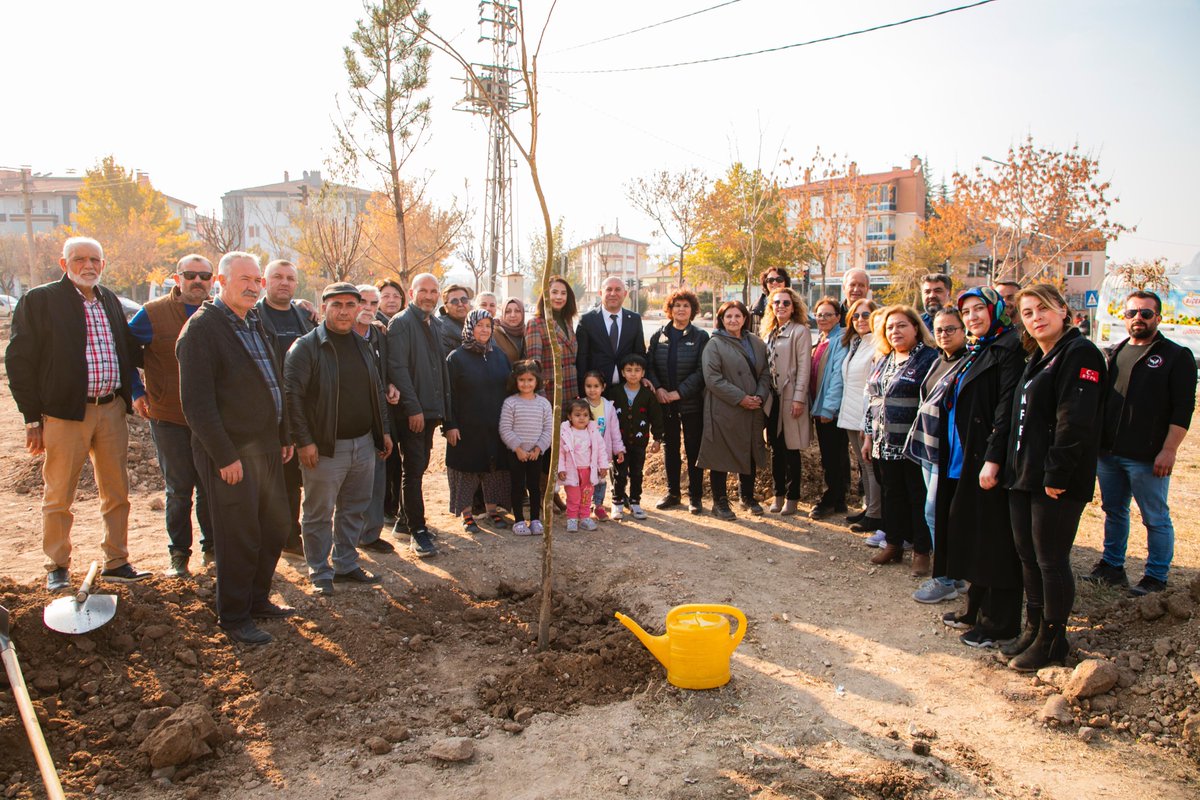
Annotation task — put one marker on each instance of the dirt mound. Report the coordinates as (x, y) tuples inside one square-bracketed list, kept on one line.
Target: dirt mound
[(370, 666)]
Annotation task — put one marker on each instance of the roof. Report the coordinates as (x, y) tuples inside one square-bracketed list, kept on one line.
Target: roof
[(613, 237), (293, 187)]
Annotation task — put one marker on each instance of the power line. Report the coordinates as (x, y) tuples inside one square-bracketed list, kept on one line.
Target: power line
[(647, 27), (774, 49)]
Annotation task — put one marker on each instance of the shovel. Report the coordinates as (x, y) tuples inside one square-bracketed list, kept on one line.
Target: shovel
[(41, 753), (85, 611)]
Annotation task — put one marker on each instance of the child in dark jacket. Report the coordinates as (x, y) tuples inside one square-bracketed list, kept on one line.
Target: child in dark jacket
[(640, 418)]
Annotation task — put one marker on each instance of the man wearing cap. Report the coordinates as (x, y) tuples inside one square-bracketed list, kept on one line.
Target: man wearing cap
[(335, 403)]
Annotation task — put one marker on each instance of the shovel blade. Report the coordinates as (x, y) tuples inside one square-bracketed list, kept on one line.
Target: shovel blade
[(65, 615)]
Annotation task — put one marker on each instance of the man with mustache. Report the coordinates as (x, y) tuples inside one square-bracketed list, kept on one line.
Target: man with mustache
[(232, 394), (156, 325), (1151, 394), (71, 363)]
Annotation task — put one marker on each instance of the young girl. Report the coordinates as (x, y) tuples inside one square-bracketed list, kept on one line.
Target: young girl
[(526, 426), (582, 463), (603, 413)]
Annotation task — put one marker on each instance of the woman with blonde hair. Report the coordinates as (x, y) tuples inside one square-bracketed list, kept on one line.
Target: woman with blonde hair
[(789, 356), (859, 340), (892, 396)]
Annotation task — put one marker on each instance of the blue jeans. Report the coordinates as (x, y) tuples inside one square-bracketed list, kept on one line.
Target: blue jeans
[(174, 445), (1123, 478), (598, 492), (930, 473), (337, 493)]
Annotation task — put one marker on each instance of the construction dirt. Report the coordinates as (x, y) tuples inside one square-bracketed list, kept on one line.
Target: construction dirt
[(432, 683)]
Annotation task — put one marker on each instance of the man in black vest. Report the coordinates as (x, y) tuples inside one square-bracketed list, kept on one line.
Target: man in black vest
[(608, 334), (71, 362), (232, 391), (286, 321)]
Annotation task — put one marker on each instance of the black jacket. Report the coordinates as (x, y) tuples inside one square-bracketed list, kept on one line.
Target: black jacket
[(595, 348), (47, 368), (1057, 414), (281, 345), (688, 372), (1161, 392), (417, 365), (226, 400), (311, 381), (639, 419), (478, 387)]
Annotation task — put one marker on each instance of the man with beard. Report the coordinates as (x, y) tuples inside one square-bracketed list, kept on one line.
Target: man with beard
[(71, 362), (1151, 394), (935, 294), (157, 326)]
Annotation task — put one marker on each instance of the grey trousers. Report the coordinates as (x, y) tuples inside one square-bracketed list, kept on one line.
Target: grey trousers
[(337, 492)]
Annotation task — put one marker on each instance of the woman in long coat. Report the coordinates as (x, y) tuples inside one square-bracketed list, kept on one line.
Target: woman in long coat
[(978, 545), (789, 363), (735, 373), (556, 310)]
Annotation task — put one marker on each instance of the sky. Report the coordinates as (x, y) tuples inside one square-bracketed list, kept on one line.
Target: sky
[(210, 97)]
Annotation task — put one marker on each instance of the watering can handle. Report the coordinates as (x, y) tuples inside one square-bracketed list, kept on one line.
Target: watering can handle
[(735, 639), (85, 588)]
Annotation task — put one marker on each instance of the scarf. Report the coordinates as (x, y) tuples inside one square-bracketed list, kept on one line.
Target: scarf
[(998, 325), (772, 340), (515, 332), (469, 341)]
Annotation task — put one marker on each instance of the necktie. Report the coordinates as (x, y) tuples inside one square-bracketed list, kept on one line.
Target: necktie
[(614, 335)]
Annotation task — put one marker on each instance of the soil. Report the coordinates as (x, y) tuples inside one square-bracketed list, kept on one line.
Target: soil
[(843, 687)]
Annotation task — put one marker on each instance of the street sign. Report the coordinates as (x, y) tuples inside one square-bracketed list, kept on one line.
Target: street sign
[(1091, 298)]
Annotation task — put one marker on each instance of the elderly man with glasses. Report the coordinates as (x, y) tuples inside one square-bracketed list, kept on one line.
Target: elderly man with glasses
[(456, 304)]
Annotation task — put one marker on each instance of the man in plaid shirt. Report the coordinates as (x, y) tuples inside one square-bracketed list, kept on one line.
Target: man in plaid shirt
[(70, 365)]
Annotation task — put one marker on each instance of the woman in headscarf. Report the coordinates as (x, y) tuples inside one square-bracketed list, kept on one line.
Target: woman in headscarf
[(509, 330), (978, 543), (476, 456)]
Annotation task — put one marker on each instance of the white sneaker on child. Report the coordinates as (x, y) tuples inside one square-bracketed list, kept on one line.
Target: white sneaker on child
[(588, 524), (572, 525), (618, 512), (637, 512)]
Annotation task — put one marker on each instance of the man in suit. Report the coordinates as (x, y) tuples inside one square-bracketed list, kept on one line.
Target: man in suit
[(71, 363), (231, 385), (608, 334)]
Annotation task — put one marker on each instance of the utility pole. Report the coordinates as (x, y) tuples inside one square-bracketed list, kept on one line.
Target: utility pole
[(27, 202), (496, 98)]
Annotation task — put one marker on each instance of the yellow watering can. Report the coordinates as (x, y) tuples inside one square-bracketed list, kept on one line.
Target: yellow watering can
[(697, 645)]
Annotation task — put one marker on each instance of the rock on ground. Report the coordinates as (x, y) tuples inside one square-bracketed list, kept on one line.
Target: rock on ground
[(1056, 708), (186, 735), (1093, 676), (456, 748)]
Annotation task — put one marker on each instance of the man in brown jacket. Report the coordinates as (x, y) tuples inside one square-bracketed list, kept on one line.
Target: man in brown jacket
[(157, 326)]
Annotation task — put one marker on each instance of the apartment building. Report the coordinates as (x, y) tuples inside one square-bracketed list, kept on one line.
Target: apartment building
[(1079, 270), (609, 254)]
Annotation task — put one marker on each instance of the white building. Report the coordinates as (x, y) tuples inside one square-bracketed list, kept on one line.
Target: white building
[(609, 254)]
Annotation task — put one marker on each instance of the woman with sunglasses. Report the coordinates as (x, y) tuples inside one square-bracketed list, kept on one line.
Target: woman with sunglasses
[(860, 357), (789, 352), (771, 279), (1050, 470)]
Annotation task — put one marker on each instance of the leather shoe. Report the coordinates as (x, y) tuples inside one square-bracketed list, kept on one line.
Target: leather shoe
[(357, 575), (856, 517), (920, 565), (670, 501), (820, 512), (378, 546), (248, 633), (889, 553), (272, 611)]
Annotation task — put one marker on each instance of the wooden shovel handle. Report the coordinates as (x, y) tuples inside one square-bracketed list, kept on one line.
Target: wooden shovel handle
[(41, 753), (85, 588)]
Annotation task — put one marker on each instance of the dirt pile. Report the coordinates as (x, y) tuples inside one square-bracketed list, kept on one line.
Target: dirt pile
[(380, 672)]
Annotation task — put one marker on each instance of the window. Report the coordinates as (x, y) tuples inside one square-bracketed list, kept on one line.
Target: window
[(3, 217), (1079, 269), (880, 256), (816, 207), (881, 198), (279, 205), (844, 260), (252, 232), (881, 228)]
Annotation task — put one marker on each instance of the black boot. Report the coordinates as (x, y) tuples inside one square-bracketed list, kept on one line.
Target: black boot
[(1033, 623), (1050, 647)]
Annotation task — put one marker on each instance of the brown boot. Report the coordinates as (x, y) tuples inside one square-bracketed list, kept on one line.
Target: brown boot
[(889, 553), (920, 565)]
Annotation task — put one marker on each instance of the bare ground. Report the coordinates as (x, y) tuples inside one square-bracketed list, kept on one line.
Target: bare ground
[(839, 676)]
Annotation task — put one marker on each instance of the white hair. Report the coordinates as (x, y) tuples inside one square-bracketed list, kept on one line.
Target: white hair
[(367, 287), (226, 262), (856, 271), (620, 281), (75, 241), (191, 258), (482, 295)]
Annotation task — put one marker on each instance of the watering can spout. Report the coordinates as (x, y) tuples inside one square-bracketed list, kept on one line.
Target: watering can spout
[(659, 646)]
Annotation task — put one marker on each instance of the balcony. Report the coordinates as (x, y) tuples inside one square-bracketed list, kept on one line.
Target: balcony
[(881, 236)]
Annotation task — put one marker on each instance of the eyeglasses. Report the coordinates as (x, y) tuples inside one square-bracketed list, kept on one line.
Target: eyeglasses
[(458, 301), (862, 315), (946, 331), (781, 302), (191, 276), (1144, 313), (775, 279), (825, 315)]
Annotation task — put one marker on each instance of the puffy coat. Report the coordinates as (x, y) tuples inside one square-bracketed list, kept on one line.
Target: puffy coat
[(689, 375)]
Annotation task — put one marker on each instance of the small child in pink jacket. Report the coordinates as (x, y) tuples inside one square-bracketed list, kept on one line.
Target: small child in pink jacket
[(582, 462), (604, 414)]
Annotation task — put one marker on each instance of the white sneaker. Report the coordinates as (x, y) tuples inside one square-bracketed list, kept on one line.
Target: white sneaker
[(637, 512), (572, 525), (521, 528), (588, 524), (536, 528), (618, 512), (876, 539)]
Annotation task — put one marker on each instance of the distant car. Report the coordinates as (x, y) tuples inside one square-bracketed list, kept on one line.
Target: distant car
[(131, 307), (7, 304)]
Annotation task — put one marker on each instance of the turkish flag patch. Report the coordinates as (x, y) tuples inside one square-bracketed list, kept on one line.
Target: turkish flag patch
[(1092, 375)]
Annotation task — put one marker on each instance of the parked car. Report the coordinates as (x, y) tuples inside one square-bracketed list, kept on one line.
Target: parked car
[(131, 307)]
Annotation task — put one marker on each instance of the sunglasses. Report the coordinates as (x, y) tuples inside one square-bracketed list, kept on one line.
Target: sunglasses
[(191, 276), (862, 315), (775, 279), (458, 301), (781, 302), (1144, 313)]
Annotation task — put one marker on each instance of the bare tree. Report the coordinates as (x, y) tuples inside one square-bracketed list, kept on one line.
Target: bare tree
[(673, 200), (219, 236)]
